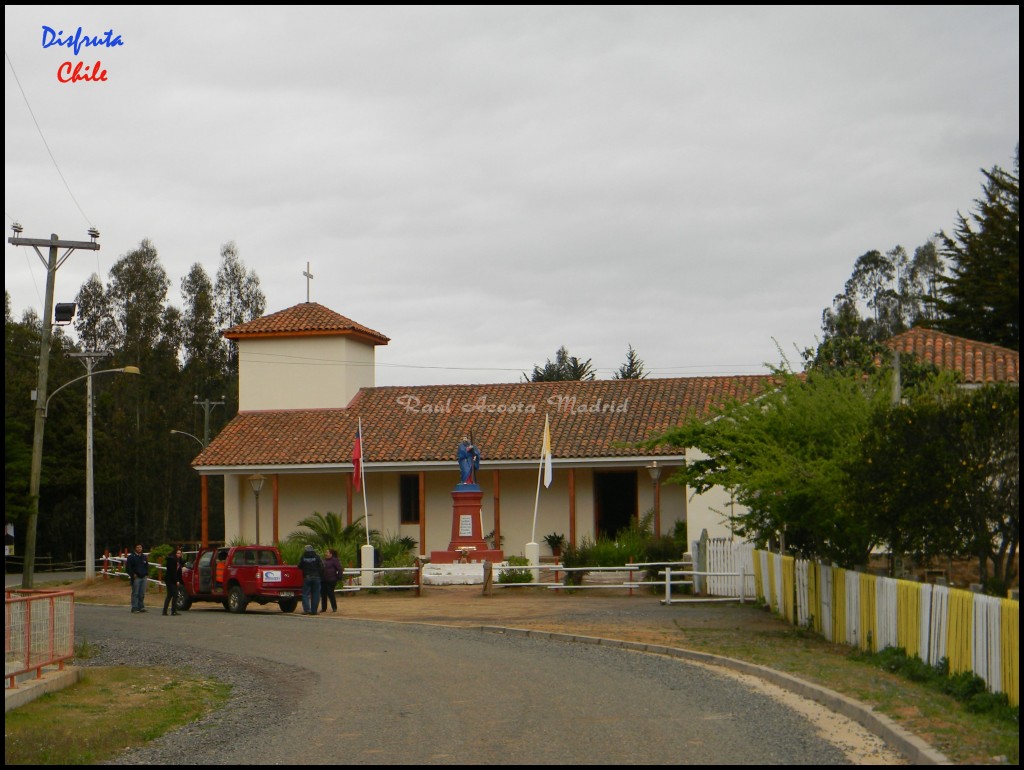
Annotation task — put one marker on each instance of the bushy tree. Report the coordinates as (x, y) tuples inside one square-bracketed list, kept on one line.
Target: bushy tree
[(785, 457), (940, 475)]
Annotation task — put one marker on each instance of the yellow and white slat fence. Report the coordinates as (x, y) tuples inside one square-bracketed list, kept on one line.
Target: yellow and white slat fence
[(973, 632)]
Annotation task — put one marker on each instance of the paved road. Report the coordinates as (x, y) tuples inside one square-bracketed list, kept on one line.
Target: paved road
[(366, 692)]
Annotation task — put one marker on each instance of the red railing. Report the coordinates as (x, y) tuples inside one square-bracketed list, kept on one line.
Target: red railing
[(39, 631)]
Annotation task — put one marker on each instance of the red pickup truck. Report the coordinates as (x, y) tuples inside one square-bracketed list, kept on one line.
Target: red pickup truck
[(238, 575)]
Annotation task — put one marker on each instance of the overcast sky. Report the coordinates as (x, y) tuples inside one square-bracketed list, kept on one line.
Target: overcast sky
[(483, 185)]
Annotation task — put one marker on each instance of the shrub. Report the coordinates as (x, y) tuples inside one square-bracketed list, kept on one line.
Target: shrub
[(404, 578), (158, 556), (966, 687), (291, 551), (516, 575)]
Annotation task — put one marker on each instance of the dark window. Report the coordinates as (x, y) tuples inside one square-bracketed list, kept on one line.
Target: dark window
[(409, 498)]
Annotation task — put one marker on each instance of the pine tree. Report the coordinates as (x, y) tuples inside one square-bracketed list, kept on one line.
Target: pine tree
[(632, 369), (563, 368), (981, 299)]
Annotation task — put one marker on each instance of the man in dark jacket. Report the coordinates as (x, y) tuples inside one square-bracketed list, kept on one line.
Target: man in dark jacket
[(172, 579), (137, 567), (312, 567)]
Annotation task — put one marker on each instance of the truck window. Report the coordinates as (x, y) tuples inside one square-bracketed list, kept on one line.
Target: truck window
[(267, 558)]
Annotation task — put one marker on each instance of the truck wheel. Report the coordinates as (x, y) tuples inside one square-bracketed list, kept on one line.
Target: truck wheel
[(236, 599), (288, 605), (182, 601)]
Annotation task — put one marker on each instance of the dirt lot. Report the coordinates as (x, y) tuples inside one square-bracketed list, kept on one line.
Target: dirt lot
[(602, 612)]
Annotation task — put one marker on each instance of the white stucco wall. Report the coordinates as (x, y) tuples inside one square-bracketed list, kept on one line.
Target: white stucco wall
[(321, 372), (300, 495), (711, 511)]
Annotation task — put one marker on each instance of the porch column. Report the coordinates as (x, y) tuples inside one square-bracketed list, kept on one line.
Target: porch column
[(423, 512), (348, 498), (204, 505), (572, 506), (276, 490), (496, 478)]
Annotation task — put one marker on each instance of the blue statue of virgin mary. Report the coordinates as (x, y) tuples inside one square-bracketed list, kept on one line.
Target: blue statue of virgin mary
[(469, 461)]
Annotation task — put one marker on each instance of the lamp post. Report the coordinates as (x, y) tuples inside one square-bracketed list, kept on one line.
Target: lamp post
[(52, 262), (183, 433), (655, 472), (256, 482), (205, 528), (90, 516)]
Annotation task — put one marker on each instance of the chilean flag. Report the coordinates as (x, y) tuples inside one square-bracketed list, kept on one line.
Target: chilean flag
[(357, 458)]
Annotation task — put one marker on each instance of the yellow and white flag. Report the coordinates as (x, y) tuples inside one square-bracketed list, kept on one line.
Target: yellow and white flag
[(546, 452)]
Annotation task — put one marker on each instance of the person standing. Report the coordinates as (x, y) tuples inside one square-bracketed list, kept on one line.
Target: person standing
[(312, 567), (332, 574), (172, 579), (137, 567)]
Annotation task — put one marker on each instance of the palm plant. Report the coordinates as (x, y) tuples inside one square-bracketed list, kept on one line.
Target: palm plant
[(325, 531)]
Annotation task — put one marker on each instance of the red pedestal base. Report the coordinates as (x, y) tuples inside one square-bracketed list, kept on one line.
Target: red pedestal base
[(467, 543)]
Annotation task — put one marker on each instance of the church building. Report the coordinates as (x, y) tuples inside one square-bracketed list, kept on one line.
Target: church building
[(306, 385)]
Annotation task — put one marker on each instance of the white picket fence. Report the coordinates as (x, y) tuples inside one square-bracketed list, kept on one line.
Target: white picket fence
[(725, 561)]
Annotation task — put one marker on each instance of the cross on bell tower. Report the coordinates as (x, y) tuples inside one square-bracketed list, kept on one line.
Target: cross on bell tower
[(309, 277)]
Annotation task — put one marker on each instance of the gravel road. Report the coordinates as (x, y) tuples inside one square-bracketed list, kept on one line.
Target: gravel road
[(327, 690)]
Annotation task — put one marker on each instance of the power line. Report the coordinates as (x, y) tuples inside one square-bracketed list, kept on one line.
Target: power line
[(45, 143)]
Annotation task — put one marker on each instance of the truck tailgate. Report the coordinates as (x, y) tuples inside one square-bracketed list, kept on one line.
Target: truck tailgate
[(280, 577)]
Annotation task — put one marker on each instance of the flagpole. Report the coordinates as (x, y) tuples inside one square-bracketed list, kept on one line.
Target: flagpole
[(362, 480), (536, 500)]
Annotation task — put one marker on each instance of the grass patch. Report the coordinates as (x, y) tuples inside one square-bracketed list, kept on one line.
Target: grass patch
[(109, 711), (924, 709)]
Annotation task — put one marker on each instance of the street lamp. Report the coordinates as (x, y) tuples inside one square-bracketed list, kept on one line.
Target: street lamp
[(256, 482), (90, 515), (183, 433), (655, 470), (204, 525)]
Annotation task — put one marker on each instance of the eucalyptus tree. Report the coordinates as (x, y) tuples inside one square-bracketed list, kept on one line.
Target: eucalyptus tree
[(237, 298)]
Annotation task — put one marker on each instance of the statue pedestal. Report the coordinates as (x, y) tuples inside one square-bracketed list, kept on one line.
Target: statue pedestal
[(467, 543)]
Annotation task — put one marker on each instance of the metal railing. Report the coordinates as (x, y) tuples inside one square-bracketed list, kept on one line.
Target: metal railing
[(39, 631)]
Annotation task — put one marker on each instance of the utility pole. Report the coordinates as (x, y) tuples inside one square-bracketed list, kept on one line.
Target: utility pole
[(207, 406), (52, 262), (204, 490)]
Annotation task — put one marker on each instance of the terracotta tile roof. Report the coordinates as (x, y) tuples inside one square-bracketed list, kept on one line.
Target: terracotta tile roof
[(306, 319), (589, 420), (979, 362)]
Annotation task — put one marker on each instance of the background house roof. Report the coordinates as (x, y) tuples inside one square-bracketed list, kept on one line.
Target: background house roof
[(401, 424), (979, 362), (306, 319)]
